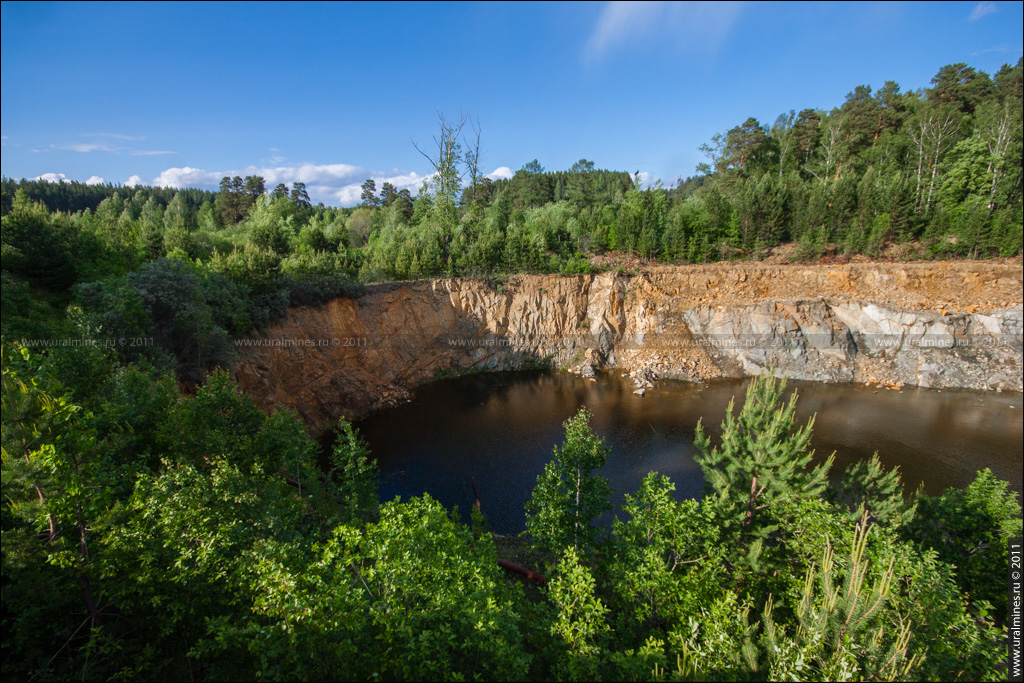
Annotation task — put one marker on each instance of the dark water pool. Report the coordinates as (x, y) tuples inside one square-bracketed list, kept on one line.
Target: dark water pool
[(501, 428)]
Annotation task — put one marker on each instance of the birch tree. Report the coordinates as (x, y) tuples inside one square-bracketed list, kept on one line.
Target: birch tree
[(932, 135), (569, 496), (831, 143), (1001, 130), (782, 134)]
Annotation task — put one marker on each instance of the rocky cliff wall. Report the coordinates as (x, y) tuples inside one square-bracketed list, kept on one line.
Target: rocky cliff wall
[(950, 324)]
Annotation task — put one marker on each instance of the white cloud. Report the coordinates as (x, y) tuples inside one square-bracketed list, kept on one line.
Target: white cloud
[(503, 172), (349, 195), (982, 9), (691, 25), (61, 178), (185, 177), (646, 179), (311, 174), (53, 178), (331, 184)]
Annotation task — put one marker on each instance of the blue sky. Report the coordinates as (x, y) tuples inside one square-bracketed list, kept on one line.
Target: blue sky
[(331, 94)]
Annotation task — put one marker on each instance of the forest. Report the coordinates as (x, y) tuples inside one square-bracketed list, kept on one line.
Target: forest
[(157, 525)]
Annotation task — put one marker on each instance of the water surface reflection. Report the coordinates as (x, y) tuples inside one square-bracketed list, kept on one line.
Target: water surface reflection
[(502, 427)]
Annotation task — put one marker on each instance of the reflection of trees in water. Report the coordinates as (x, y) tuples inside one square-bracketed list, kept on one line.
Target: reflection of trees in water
[(505, 388), (470, 391)]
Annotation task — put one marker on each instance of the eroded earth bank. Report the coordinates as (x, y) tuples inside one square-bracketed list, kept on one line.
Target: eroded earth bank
[(932, 324)]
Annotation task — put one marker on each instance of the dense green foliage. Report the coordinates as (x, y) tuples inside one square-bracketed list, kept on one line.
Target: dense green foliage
[(157, 525), (970, 529), (149, 534), (72, 196)]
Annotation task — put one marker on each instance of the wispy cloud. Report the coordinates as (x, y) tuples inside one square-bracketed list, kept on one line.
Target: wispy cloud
[(982, 9), (687, 25), (113, 143), (115, 136), (276, 157), (86, 147), (620, 22), (990, 50)]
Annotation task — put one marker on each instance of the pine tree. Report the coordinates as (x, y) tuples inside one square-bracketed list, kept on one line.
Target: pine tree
[(300, 196), (368, 196), (867, 487), (388, 193), (763, 458), (842, 631)]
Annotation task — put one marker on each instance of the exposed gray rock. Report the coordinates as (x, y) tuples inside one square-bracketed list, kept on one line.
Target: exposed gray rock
[(955, 326)]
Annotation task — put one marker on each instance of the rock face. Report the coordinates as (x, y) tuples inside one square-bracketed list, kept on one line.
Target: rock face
[(951, 324)]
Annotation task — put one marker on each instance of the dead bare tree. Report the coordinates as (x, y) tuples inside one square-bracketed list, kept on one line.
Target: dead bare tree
[(472, 159), (446, 160)]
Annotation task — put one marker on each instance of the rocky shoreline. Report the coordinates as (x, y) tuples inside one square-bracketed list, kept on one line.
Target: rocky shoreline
[(939, 325)]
